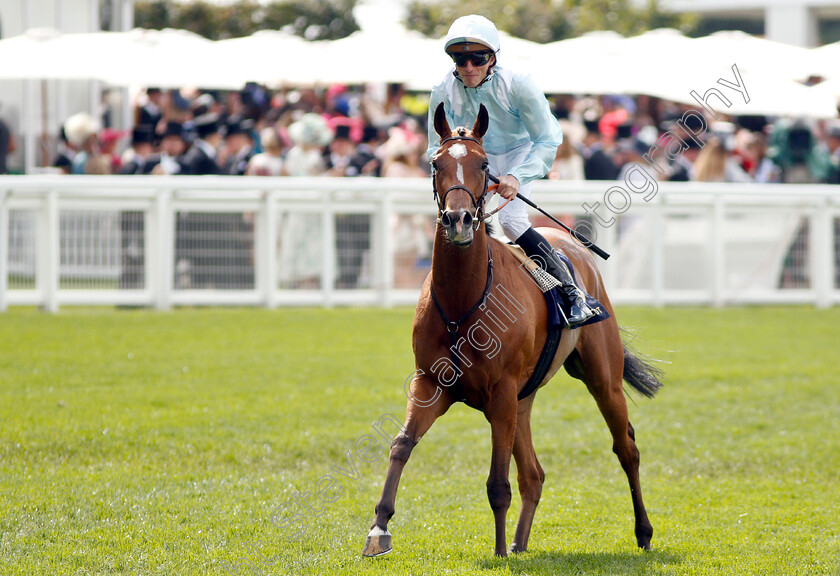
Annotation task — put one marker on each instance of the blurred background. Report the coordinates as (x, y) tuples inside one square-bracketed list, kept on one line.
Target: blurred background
[(703, 193)]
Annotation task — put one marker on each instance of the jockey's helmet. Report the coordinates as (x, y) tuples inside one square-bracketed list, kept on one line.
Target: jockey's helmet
[(472, 29)]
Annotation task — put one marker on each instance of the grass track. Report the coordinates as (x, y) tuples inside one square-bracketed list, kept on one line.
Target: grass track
[(138, 442)]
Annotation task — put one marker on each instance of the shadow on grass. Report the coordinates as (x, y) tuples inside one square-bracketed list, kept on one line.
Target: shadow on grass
[(584, 563)]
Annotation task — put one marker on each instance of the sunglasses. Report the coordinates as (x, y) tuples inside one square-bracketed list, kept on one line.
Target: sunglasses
[(477, 58)]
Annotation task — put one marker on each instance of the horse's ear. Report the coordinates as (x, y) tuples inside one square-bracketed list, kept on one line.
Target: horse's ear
[(481, 123), (441, 124)]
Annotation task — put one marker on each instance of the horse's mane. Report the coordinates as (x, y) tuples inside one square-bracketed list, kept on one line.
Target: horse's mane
[(491, 228)]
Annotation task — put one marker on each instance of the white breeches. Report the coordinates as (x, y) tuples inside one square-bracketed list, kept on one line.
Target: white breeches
[(513, 217)]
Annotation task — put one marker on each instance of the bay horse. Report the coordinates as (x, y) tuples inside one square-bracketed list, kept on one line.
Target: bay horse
[(454, 364)]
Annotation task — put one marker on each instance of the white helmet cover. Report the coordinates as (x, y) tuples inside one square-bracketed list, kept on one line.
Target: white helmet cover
[(473, 28)]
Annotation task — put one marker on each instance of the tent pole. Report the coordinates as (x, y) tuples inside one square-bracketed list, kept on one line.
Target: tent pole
[(29, 133)]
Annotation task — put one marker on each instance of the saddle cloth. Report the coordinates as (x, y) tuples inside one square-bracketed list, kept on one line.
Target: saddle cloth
[(558, 311)]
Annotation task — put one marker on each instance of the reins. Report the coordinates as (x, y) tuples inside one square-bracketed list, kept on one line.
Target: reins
[(452, 326), (478, 204)]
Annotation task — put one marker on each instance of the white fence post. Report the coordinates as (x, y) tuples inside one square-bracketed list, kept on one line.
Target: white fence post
[(328, 254), (4, 250), (658, 249), (152, 266), (383, 249), (718, 241), (266, 258), (49, 252), (822, 263), (606, 237), (165, 250)]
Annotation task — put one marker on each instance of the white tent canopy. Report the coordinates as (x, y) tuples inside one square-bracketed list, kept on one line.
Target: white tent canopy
[(668, 65), (584, 65), (754, 54), (661, 63), (825, 59), (168, 58), (268, 57)]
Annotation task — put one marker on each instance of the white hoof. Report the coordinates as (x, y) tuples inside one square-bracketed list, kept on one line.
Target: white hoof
[(378, 543)]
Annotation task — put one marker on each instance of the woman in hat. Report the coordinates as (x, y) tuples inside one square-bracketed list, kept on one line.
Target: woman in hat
[(520, 143), (82, 132), (311, 134), (269, 162), (299, 252)]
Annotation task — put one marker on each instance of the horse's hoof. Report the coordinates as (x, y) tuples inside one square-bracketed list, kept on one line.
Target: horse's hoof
[(378, 543), (515, 549), (644, 534)]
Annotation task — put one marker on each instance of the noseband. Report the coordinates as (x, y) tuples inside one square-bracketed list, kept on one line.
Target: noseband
[(478, 203)]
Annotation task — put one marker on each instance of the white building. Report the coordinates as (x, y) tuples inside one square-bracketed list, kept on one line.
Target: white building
[(17, 16), (57, 99), (806, 23)]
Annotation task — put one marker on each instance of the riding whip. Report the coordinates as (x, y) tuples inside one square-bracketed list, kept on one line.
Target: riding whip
[(574, 233)]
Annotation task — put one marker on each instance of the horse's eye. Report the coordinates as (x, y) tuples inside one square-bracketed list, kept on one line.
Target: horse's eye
[(484, 165)]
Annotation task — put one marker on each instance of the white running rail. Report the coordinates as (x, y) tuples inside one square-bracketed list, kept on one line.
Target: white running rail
[(249, 241)]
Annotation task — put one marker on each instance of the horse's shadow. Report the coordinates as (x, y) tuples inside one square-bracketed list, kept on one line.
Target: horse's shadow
[(584, 563)]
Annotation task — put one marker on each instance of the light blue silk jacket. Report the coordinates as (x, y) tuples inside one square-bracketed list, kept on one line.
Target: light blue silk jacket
[(523, 135)]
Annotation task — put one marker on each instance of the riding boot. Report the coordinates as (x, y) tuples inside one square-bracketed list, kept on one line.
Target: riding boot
[(538, 249)]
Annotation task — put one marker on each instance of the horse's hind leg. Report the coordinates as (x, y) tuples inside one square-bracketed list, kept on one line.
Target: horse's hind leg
[(530, 475), (419, 418), (603, 374), (614, 410)]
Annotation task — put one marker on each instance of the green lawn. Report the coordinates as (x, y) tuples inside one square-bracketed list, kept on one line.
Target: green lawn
[(147, 443)]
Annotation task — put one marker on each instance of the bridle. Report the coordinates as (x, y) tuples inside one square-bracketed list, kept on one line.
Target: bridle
[(478, 203), (452, 326)]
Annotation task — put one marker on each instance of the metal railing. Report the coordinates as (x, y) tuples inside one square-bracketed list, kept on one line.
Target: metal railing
[(173, 241)]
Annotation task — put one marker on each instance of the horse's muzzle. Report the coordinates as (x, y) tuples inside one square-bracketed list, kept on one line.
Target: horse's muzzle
[(459, 226)]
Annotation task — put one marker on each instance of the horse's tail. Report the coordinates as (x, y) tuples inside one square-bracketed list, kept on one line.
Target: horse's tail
[(640, 373)]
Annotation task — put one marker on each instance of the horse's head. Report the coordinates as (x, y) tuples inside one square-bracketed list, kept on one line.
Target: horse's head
[(460, 177)]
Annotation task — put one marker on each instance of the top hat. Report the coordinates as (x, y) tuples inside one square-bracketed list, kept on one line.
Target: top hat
[(238, 125), (624, 131), (172, 129), (206, 124), (142, 134), (592, 126)]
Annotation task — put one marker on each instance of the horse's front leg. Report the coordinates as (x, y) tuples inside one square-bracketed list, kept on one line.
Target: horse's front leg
[(427, 402), (530, 475), (501, 413)]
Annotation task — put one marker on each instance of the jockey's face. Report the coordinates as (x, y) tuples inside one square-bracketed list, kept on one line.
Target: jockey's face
[(471, 74)]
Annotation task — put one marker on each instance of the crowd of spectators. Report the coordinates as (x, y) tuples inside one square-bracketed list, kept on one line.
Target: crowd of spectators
[(381, 131), (675, 142), (340, 131)]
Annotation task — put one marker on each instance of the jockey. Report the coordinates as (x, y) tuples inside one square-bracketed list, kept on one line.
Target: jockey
[(520, 143)]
